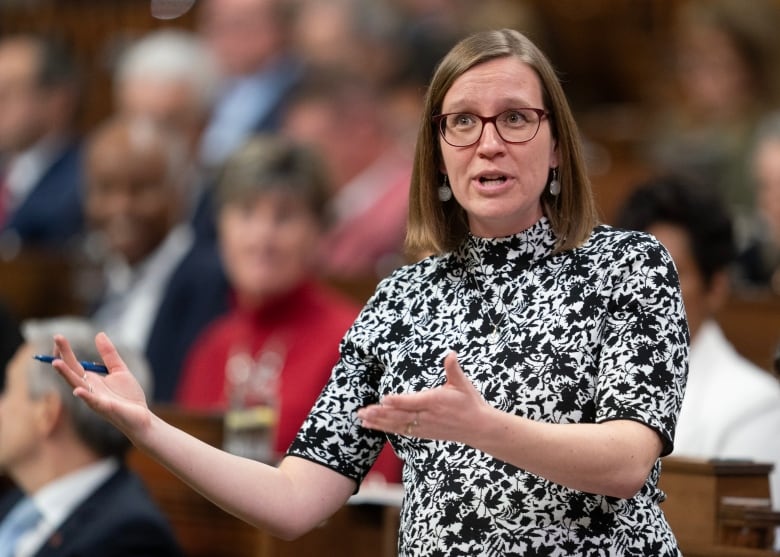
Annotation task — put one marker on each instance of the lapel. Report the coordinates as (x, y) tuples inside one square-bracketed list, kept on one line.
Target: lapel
[(8, 501), (62, 541)]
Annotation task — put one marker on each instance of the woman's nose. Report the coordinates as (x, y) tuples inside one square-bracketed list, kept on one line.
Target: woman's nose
[(490, 141)]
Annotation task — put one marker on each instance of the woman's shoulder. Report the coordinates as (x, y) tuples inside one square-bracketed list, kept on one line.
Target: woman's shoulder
[(608, 237), (617, 254), (411, 274), (619, 244)]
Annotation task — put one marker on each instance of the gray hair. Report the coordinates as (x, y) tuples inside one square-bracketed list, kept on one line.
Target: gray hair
[(93, 430), (173, 56)]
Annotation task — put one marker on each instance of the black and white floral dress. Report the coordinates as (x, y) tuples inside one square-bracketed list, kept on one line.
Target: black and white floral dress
[(588, 335)]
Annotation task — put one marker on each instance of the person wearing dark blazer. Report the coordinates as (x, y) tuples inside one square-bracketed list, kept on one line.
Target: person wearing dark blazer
[(161, 286), (70, 464), (101, 527), (40, 155), (196, 294), (51, 215)]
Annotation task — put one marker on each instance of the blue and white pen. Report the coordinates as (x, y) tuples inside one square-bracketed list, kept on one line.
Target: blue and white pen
[(88, 366)]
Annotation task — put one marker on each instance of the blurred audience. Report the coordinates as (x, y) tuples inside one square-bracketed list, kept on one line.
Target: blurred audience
[(731, 407), (68, 464), (40, 171), (342, 117), (724, 70), (169, 76), (161, 288), (350, 36), (251, 42), (276, 348), (761, 257)]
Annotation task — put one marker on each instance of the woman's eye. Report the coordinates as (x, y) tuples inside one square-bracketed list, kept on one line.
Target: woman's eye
[(515, 117), (464, 120)]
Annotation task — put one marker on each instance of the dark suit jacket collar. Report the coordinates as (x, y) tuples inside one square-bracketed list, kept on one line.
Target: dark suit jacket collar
[(83, 514)]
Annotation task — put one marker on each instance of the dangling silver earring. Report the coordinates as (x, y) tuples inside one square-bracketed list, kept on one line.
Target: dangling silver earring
[(555, 185), (445, 193)]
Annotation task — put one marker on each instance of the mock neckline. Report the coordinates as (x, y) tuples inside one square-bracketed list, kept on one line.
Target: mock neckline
[(508, 253)]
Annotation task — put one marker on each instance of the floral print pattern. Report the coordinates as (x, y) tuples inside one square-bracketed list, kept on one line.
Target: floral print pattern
[(583, 336)]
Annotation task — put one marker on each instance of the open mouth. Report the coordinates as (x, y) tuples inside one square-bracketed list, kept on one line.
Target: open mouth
[(492, 180)]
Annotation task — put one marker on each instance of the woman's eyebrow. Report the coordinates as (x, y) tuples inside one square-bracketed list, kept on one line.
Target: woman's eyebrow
[(503, 104)]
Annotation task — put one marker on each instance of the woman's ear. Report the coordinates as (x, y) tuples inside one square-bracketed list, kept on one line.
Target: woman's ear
[(554, 154)]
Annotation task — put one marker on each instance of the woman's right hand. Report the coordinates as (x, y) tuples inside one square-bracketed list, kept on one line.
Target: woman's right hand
[(117, 396)]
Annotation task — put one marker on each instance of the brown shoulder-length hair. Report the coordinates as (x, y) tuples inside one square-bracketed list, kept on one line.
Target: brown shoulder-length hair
[(435, 226)]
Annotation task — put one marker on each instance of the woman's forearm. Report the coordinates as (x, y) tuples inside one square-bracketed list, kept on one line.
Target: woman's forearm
[(612, 458), (287, 501)]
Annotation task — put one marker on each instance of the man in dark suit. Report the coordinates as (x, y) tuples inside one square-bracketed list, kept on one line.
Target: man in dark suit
[(40, 167), (170, 77), (162, 287), (68, 464)]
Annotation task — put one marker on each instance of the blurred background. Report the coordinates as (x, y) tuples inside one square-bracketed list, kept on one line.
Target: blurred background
[(656, 85)]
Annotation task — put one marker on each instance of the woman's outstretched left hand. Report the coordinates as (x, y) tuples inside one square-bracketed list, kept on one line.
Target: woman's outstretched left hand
[(448, 412)]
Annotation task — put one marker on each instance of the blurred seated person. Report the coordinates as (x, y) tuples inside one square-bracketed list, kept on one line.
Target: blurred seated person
[(731, 407), (760, 260), (344, 119), (40, 168), (278, 345), (355, 36), (161, 287), (250, 40), (724, 77), (170, 77), (68, 464)]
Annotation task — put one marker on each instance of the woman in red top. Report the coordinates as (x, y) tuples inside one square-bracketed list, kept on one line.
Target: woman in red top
[(277, 346)]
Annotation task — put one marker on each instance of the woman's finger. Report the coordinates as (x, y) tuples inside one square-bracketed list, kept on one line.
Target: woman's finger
[(454, 373), (71, 371), (108, 352)]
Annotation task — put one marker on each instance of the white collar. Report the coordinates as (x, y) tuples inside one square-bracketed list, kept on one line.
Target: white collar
[(157, 266)]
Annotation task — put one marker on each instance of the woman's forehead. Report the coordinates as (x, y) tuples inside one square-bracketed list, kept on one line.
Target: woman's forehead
[(503, 82)]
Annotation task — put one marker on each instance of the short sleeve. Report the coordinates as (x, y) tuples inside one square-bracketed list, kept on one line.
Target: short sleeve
[(643, 363), (332, 434)]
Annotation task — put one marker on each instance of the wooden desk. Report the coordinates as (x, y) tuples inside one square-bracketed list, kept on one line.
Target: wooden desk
[(204, 530), (697, 492), (752, 324), (39, 284)]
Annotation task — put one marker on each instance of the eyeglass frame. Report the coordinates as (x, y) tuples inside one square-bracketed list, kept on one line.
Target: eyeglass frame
[(540, 112)]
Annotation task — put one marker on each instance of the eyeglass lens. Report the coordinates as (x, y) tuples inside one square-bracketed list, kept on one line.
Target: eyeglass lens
[(514, 126)]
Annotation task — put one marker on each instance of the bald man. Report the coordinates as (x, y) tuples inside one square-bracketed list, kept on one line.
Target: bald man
[(161, 287)]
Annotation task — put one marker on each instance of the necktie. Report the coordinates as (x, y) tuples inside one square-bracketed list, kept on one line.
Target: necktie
[(21, 519)]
